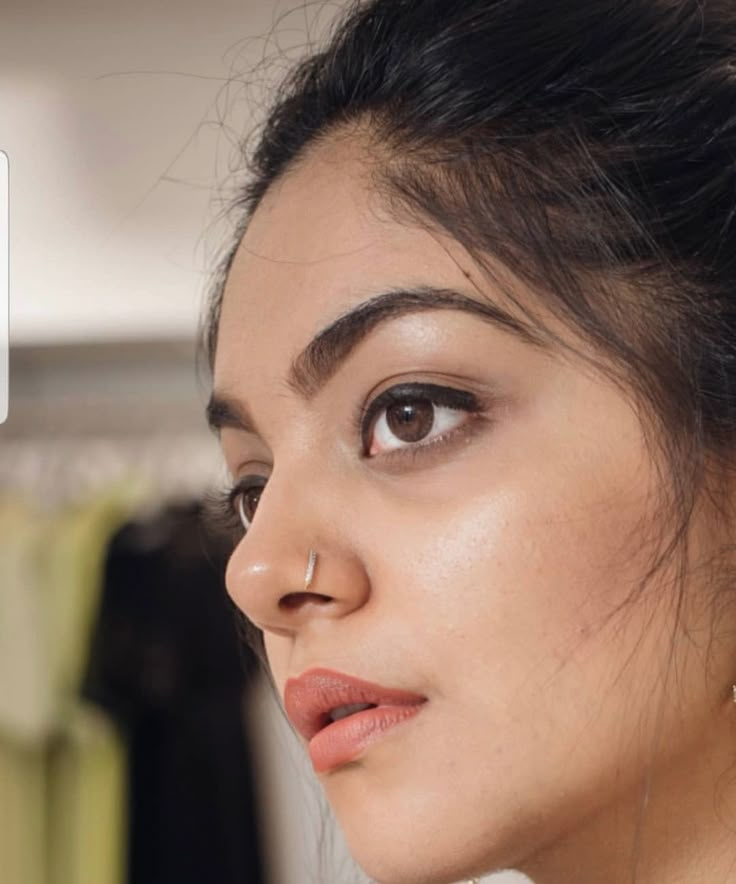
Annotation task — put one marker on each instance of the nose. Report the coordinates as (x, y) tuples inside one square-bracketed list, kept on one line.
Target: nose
[(267, 571)]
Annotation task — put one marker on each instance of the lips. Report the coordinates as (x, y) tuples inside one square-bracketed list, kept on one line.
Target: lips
[(311, 700)]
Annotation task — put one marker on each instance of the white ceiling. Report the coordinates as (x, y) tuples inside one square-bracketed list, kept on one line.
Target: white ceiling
[(121, 122)]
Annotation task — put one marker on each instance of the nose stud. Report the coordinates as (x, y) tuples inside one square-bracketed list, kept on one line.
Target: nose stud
[(310, 569)]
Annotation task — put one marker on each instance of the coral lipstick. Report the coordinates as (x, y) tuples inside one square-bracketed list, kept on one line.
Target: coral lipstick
[(340, 715)]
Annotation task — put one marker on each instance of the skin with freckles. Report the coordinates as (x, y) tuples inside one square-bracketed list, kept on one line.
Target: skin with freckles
[(479, 562)]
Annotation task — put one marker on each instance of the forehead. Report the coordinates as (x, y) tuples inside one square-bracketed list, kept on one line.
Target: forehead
[(319, 243)]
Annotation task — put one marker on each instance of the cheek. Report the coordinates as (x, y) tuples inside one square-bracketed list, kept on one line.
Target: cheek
[(516, 578)]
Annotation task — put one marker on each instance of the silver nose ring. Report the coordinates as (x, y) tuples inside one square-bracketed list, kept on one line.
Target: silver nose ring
[(310, 569)]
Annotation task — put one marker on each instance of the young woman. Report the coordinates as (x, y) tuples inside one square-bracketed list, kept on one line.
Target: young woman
[(474, 376)]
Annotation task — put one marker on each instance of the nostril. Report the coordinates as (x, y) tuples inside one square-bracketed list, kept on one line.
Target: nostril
[(297, 599)]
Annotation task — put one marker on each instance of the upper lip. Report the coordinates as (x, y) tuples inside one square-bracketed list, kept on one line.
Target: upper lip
[(311, 697)]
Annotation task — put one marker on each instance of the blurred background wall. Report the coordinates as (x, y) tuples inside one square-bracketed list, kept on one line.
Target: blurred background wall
[(122, 123)]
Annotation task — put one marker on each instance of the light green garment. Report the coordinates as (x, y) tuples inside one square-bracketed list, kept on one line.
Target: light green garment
[(62, 764), (85, 802)]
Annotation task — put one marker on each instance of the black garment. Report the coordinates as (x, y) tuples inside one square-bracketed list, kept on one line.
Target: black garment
[(167, 664)]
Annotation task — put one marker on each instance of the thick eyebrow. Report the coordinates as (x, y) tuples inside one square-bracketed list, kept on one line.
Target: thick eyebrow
[(328, 350)]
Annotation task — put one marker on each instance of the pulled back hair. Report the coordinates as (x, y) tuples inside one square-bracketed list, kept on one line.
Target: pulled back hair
[(587, 147)]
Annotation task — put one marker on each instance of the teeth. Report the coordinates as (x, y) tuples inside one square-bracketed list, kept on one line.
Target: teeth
[(343, 711)]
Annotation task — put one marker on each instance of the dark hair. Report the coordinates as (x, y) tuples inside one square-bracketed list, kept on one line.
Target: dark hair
[(590, 148)]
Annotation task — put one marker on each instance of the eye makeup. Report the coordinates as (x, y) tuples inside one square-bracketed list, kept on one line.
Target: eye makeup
[(407, 394)]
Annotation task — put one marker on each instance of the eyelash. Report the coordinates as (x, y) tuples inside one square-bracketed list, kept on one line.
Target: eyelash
[(410, 393), (222, 507)]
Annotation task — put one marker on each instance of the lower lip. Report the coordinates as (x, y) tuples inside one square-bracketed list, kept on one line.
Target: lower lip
[(345, 739)]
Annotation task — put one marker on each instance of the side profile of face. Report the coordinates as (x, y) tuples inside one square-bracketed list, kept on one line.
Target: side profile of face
[(473, 549)]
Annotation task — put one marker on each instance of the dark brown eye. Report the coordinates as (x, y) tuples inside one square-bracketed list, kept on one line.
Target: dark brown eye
[(246, 502), (410, 421), (413, 415)]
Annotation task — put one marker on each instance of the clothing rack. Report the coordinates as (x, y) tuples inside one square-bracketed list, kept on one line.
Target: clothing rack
[(87, 415)]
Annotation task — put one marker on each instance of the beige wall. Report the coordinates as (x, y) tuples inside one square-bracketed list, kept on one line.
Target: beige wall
[(112, 116)]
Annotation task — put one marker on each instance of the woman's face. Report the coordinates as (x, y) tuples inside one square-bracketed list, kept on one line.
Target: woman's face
[(473, 551)]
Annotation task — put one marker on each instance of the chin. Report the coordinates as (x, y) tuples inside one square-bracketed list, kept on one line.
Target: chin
[(409, 818), (394, 848), (410, 870)]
